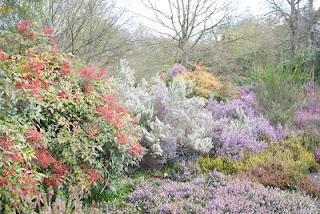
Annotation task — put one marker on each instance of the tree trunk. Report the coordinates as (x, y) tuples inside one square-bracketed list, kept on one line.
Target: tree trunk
[(311, 33), (184, 57), (293, 25)]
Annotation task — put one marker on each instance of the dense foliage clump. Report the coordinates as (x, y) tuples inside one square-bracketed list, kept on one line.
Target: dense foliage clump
[(62, 128)]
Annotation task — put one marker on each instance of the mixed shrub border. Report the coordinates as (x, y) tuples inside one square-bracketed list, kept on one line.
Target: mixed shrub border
[(69, 133)]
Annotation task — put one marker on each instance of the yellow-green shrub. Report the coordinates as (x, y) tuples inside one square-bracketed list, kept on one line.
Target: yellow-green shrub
[(290, 155), (219, 163), (205, 83)]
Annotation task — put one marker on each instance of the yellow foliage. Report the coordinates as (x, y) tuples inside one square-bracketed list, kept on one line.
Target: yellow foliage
[(205, 83), (290, 155), (219, 163)]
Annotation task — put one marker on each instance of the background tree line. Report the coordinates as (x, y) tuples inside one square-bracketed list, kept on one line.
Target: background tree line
[(189, 32)]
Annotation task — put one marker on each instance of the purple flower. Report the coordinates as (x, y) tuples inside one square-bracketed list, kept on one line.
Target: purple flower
[(236, 143), (169, 147), (213, 193), (308, 118), (239, 128), (175, 70)]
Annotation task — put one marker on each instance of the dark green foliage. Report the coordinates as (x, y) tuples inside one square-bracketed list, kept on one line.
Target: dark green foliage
[(118, 190)]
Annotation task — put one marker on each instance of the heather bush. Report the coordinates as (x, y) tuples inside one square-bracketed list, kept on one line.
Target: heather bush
[(213, 193), (61, 128), (219, 163), (284, 166), (289, 155), (238, 128), (179, 124), (309, 185), (308, 117), (174, 123), (204, 83)]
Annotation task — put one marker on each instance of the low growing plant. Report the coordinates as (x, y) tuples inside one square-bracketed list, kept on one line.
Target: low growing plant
[(213, 193)]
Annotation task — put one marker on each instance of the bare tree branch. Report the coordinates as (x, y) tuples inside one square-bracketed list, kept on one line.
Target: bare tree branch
[(188, 21)]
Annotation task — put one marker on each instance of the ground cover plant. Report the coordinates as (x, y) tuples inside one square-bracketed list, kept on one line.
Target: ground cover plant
[(213, 193)]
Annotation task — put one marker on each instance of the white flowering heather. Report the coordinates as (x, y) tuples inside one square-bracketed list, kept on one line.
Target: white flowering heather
[(157, 133), (197, 140), (173, 120), (187, 116), (137, 98)]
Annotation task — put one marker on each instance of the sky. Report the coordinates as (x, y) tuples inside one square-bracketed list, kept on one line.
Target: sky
[(255, 7)]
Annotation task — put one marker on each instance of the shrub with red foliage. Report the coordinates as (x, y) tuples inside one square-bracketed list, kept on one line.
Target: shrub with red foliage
[(54, 180), (29, 184), (110, 99), (63, 125), (60, 168), (32, 86), (8, 150), (135, 150), (16, 156), (34, 137), (16, 177), (110, 114), (48, 30), (122, 138), (25, 27), (44, 158), (90, 74), (93, 130), (3, 56), (94, 175), (309, 186), (63, 94), (66, 67)]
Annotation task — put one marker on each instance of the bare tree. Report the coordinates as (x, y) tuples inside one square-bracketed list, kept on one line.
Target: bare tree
[(188, 21), (301, 18), (290, 10), (88, 28), (312, 18)]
